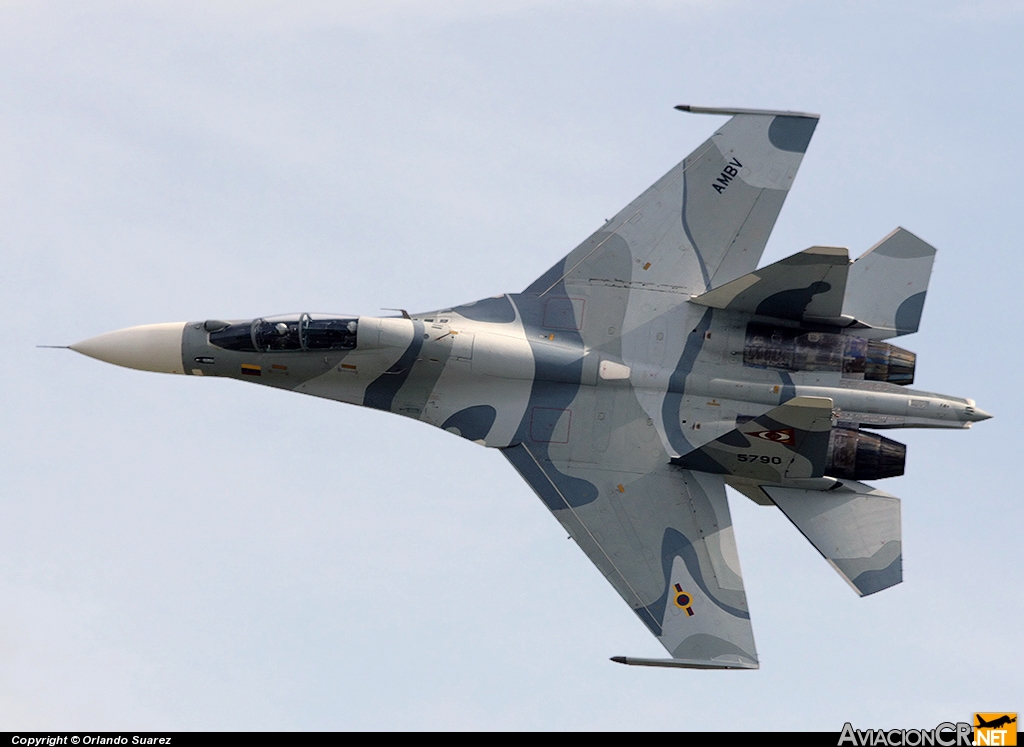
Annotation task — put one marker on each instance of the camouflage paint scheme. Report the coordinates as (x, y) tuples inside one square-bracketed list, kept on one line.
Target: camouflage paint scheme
[(616, 385)]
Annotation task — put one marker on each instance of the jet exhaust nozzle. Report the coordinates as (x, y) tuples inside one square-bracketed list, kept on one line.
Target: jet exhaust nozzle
[(150, 347), (859, 455), (792, 349)]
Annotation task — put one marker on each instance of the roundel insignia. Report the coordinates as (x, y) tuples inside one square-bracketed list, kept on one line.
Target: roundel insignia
[(781, 436), (683, 600)]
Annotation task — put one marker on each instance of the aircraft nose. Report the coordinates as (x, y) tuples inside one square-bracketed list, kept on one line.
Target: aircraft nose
[(150, 347)]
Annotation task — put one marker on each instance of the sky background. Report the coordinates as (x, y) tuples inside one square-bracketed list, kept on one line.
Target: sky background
[(179, 553)]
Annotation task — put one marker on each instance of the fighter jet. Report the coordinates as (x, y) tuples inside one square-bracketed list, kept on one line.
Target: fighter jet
[(646, 370)]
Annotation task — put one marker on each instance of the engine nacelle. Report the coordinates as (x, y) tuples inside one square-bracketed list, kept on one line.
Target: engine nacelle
[(790, 349), (859, 455)]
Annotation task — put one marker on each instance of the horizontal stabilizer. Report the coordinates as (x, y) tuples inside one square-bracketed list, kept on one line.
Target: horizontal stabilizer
[(855, 527), (784, 445), (809, 285), (886, 287)]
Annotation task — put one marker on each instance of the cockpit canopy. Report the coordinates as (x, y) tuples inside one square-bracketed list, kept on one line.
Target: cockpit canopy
[(292, 332)]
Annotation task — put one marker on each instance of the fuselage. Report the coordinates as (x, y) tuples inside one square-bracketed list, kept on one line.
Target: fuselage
[(474, 369)]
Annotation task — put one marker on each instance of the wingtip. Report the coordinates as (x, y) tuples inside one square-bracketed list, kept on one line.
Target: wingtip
[(733, 662), (729, 111)]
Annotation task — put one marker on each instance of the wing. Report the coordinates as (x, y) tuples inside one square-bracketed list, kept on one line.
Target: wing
[(706, 221), (661, 535)]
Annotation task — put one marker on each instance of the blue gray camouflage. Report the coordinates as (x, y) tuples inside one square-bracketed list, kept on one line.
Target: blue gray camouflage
[(647, 369)]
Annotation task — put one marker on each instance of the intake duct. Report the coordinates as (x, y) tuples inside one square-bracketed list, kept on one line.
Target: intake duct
[(792, 349), (859, 455)]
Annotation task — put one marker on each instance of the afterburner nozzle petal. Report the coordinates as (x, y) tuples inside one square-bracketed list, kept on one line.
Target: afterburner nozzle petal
[(150, 347)]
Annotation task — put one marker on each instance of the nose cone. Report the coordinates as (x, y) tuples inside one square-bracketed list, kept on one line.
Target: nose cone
[(151, 347)]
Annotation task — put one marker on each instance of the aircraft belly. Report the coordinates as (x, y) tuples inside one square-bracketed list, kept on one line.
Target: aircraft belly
[(455, 400), (703, 419), (603, 426), (502, 356), (647, 368), (348, 380)]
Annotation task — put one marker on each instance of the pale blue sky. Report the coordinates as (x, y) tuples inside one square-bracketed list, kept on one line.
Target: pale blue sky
[(198, 554)]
